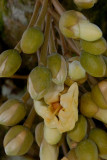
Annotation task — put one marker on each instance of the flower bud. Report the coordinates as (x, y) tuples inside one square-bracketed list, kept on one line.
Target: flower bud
[(10, 61), (85, 4), (48, 152), (52, 135), (86, 149), (76, 71), (80, 130), (57, 64), (93, 64), (101, 115), (39, 81), (68, 23), (87, 106), (31, 40), (74, 24), (12, 112), (39, 133), (99, 136), (96, 47), (89, 31), (17, 141), (99, 94)]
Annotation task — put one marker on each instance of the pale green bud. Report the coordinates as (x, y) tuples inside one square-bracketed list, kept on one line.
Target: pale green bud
[(57, 64), (99, 94), (39, 133), (52, 135), (80, 130), (101, 115), (17, 141), (86, 150), (31, 40), (96, 47), (89, 31), (76, 71), (74, 24), (87, 106), (12, 112), (68, 23), (93, 64), (85, 4), (48, 152), (99, 136), (10, 61), (39, 81)]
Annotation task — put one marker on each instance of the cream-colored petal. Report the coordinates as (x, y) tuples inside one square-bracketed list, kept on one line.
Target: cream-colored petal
[(42, 109), (53, 93), (68, 115)]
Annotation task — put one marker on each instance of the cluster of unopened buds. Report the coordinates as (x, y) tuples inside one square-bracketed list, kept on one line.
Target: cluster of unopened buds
[(68, 89)]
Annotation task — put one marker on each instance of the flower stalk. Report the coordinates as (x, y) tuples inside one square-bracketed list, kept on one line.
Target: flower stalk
[(43, 54), (29, 121)]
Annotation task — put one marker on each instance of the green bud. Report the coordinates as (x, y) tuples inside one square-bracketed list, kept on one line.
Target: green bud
[(32, 39), (57, 64), (39, 81), (39, 133), (48, 152), (68, 23), (85, 4), (10, 61), (87, 106), (52, 135), (98, 96), (99, 136), (17, 141), (94, 33), (76, 71), (93, 64), (12, 112), (74, 24), (80, 129), (97, 47), (86, 150)]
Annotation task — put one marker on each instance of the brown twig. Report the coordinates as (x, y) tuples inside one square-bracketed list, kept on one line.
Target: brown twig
[(58, 6), (19, 77), (29, 121), (44, 50)]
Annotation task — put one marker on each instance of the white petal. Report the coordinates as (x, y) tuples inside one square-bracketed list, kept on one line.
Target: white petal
[(53, 93)]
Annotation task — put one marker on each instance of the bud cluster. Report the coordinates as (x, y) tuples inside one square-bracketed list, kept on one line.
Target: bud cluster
[(65, 89)]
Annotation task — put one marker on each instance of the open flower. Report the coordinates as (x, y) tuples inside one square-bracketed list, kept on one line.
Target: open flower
[(59, 108)]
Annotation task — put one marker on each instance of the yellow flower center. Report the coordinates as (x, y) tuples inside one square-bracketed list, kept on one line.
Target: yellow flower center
[(55, 107)]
